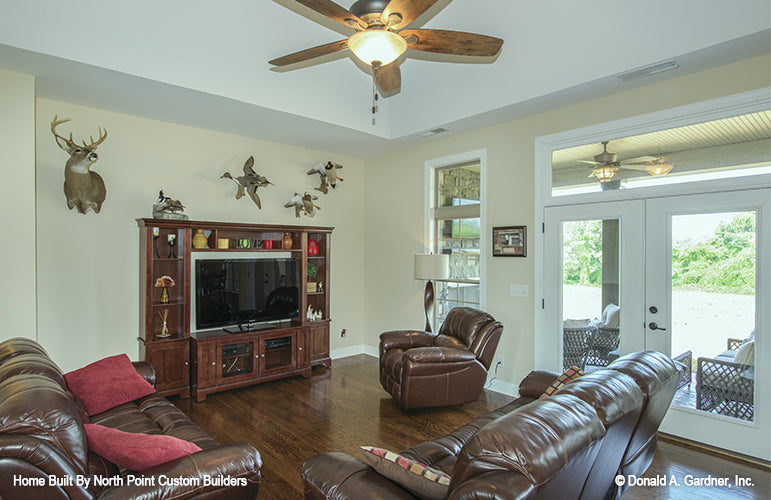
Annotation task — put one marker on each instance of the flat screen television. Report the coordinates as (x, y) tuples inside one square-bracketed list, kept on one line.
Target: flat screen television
[(244, 293)]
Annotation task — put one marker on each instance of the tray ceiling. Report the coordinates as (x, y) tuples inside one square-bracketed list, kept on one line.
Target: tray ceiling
[(205, 64)]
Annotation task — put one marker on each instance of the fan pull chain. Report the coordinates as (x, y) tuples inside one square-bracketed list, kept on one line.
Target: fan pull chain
[(375, 98)]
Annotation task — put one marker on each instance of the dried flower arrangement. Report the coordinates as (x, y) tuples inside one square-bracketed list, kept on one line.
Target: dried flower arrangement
[(164, 281)]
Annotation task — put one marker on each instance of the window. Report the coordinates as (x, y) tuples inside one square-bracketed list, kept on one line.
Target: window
[(456, 230)]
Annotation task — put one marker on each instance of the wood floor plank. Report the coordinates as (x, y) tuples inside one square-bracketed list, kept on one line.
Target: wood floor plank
[(342, 408)]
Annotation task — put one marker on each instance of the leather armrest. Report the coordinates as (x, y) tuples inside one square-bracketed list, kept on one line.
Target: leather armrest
[(238, 464), (405, 339), (338, 475), (499, 485), (145, 369), (536, 382), (439, 355)]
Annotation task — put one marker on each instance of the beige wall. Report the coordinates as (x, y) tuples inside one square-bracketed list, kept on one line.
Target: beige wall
[(17, 205), (88, 265), (395, 203)]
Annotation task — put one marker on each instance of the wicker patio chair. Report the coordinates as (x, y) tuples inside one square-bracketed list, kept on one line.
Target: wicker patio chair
[(725, 387), (685, 359), (603, 345), (575, 345)]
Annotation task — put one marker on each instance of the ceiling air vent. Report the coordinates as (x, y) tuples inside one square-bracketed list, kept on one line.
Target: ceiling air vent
[(435, 131), (649, 71)]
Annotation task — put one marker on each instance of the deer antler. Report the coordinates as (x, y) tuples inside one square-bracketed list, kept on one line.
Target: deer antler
[(102, 137), (55, 123)]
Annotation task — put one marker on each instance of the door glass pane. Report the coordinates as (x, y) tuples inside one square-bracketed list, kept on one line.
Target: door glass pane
[(713, 311), (590, 293)]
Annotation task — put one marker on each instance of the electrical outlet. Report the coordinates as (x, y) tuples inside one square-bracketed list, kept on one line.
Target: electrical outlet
[(342, 332)]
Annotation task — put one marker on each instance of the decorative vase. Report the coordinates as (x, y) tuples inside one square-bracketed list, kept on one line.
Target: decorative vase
[(156, 235), (199, 239), (172, 244), (313, 247), (164, 331), (287, 241), (165, 295)]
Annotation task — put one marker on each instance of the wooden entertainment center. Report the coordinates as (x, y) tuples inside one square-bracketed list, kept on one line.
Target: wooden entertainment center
[(200, 363)]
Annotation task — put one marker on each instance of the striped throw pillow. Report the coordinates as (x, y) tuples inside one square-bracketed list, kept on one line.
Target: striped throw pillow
[(418, 478), (568, 376)]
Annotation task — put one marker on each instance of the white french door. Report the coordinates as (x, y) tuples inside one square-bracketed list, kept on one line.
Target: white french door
[(687, 274), (706, 291)]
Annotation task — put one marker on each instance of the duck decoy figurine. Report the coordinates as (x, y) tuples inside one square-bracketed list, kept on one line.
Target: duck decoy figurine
[(249, 182), (328, 174), (168, 208), (303, 203)]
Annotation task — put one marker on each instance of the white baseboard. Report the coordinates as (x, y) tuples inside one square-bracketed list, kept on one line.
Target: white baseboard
[(354, 350), (502, 387)]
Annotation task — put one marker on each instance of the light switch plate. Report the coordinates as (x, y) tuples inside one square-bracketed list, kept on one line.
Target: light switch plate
[(518, 290)]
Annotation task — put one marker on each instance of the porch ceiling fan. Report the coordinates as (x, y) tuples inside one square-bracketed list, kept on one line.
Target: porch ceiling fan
[(606, 164), (379, 38)]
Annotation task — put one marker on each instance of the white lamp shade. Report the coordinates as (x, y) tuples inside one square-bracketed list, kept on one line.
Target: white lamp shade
[(432, 266), (377, 45)]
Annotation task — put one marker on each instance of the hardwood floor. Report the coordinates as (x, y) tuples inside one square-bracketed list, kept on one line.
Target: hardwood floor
[(341, 408)]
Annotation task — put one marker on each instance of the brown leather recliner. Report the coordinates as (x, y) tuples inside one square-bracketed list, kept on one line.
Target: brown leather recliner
[(423, 369), (42, 435)]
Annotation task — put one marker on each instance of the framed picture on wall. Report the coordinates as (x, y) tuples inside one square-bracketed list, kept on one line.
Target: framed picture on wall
[(510, 241)]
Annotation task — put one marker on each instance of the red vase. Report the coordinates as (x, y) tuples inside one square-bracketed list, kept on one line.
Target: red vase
[(313, 247)]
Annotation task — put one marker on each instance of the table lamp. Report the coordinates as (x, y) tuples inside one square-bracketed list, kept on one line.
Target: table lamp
[(431, 267)]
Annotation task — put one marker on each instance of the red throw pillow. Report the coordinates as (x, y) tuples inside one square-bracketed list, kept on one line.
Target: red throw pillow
[(107, 383), (136, 452)]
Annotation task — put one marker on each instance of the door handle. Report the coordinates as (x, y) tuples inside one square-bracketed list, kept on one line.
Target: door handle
[(653, 326)]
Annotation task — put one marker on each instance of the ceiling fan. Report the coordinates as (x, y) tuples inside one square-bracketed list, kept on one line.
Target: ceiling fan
[(379, 39), (606, 164)]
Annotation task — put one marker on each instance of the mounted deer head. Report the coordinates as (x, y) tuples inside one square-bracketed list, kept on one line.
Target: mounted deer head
[(83, 188)]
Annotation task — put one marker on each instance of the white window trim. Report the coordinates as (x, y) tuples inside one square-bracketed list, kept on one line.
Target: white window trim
[(430, 167), (746, 102)]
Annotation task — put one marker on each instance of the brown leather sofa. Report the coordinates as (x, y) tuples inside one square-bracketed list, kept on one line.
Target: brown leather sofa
[(423, 369), (42, 434), (570, 445)]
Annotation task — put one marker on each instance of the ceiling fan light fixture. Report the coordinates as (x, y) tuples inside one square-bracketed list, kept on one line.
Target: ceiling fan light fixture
[(377, 45), (659, 169), (604, 173)]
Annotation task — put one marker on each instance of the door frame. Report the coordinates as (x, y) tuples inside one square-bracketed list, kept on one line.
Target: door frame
[(746, 102), (713, 109)]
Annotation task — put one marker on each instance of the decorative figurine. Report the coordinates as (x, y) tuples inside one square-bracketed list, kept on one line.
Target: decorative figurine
[(156, 235), (83, 188), (303, 203), (328, 174), (172, 243), (249, 182), (168, 208)]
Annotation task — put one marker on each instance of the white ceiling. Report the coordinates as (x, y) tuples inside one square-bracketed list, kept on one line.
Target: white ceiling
[(204, 63)]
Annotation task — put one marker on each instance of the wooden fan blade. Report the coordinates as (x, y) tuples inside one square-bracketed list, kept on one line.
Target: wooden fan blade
[(640, 159), (333, 11), (452, 42), (408, 10), (306, 54), (388, 77)]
